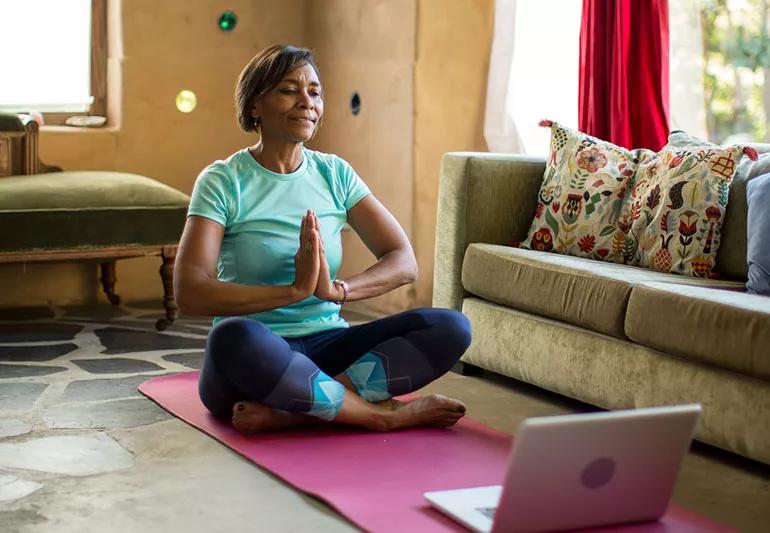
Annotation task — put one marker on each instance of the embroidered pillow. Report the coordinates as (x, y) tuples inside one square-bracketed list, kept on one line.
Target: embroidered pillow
[(584, 186), (731, 259), (673, 217)]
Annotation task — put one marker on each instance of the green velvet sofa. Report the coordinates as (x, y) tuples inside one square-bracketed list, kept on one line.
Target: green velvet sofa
[(611, 335), (98, 216)]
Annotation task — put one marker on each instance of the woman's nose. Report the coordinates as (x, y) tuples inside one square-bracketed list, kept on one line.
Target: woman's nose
[(305, 100)]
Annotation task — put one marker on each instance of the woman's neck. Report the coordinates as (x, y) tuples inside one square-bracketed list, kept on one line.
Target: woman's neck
[(281, 158)]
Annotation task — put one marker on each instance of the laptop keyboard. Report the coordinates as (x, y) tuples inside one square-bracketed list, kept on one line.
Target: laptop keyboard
[(489, 512)]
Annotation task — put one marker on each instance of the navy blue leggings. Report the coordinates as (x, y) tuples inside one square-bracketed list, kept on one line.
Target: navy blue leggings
[(395, 355)]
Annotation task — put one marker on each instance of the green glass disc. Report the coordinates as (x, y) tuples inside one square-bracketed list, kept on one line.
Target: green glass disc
[(227, 21)]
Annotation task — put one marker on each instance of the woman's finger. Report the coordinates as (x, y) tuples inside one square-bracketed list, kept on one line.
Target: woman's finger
[(315, 254), (317, 225)]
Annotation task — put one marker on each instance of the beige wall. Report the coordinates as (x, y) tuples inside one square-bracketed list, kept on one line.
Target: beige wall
[(420, 68), (359, 51), (418, 65), (454, 39)]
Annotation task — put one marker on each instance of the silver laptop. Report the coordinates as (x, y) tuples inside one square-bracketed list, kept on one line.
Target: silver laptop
[(582, 470)]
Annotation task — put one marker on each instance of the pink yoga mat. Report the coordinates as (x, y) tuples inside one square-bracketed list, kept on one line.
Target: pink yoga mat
[(377, 480)]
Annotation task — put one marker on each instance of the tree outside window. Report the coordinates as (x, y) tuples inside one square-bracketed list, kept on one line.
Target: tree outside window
[(736, 49)]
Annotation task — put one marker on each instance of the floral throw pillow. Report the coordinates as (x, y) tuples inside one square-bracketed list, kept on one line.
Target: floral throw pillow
[(581, 198), (672, 219)]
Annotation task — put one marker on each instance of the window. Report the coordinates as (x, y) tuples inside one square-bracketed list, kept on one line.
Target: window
[(737, 69), (533, 73), (720, 69), (719, 61), (545, 69), (53, 57)]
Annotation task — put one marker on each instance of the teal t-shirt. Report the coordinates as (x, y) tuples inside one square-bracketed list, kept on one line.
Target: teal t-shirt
[(262, 213)]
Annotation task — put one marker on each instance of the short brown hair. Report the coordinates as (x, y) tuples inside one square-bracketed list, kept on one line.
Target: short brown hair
[(263, 73)]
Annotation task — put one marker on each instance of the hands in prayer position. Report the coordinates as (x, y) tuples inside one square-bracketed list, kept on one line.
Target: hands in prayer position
[(312, 275)]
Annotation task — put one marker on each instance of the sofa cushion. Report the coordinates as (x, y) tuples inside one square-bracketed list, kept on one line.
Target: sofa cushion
[(86, 189), (584, 186), (731, 258), (583, 292), (88, 209), (727, 328), (758, 245)]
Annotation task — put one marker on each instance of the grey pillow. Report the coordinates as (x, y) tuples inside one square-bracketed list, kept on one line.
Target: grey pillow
[(758, 249)]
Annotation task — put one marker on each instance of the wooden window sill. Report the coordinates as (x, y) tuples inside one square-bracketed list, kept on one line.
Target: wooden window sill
[(78, 129)]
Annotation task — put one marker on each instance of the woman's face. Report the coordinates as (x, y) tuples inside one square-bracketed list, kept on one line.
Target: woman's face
[(291, 110)]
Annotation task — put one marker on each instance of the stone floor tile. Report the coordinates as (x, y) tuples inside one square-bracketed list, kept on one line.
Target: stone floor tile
[(127, 413), (95, 311), (27, 371), (13, 488), (35, 353), (119, 341), (26, 313), (14, 521), (19, 395), (198, 320), (38, 332), (116, 365), (11, 427), (149, 327), (73, 455), (190, 360), (103, 389)]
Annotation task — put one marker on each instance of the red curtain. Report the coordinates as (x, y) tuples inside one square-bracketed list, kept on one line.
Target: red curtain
[(623, 94)]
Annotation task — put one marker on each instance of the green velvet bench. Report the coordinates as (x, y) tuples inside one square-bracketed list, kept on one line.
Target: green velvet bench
[(93, 216)]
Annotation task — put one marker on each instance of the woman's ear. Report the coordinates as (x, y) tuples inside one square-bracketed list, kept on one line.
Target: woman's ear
[(255, 114)]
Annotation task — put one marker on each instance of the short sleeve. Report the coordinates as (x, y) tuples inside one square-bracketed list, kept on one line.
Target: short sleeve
[(353, 186), (211, 197)]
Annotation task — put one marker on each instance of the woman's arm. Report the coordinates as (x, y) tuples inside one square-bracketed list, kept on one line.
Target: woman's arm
[(383, 235), (198, 291)]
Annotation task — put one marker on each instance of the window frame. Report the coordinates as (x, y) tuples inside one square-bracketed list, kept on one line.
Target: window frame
[(99, 55)]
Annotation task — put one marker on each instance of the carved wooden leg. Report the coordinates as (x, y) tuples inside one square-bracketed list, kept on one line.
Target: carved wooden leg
[(108, 282), (167, 276)]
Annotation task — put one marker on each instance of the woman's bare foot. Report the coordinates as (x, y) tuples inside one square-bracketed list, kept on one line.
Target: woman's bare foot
[(433, 410), (253, 417), (391, 403)]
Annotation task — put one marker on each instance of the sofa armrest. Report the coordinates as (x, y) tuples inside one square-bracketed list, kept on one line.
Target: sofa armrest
[(482, 197)]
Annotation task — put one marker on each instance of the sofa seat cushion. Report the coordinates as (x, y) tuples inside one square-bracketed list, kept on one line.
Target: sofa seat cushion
[(726, 328), (88, 209), (583, 292)]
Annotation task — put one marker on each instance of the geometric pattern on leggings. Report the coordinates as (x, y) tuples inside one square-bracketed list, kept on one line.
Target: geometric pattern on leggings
[(396, 366), (328, 395), (369, 377), (304, 388)]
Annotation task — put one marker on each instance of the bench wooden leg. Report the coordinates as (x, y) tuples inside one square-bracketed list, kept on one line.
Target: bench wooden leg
[(167, 276), (108, 281)]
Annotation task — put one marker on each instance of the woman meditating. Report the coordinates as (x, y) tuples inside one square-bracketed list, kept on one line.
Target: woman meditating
[(262, 246)]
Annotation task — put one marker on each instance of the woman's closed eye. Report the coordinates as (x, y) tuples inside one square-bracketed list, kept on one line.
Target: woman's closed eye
[(313, 93)]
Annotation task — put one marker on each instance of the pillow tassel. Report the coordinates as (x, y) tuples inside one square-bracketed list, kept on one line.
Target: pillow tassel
[(751, 153), (545, 123)]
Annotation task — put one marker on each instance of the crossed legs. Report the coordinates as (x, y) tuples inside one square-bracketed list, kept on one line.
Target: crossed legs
[(263, 383)]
